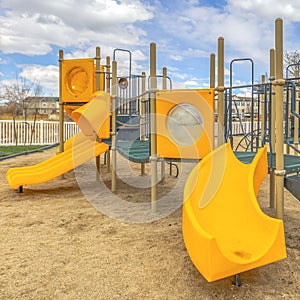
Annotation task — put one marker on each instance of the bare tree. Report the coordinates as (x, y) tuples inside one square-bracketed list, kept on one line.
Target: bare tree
[(291, 62), (15, 94)]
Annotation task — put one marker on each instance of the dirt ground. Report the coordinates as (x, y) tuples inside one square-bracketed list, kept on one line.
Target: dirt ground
[(55, 244)]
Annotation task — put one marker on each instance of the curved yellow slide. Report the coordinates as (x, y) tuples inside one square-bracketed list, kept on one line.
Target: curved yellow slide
[(224, 229), (55, 166), (93, 120)]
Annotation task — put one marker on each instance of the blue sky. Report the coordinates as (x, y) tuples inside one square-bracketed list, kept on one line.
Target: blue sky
[(185, 31)]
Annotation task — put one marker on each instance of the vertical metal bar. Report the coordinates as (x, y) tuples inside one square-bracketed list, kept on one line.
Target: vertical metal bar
[(287, 120), (164, 78), (237, 280), (220, 90), (61, 104), (107, 83), (113, 125), (263, 109), (279, 118), (212, 83), (153, 145), (143, 116), (229, 111), (296, 120), (212, 73), (97, 59), (272, 128)]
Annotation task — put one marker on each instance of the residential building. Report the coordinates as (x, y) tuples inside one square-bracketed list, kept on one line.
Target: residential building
[(41, 105)]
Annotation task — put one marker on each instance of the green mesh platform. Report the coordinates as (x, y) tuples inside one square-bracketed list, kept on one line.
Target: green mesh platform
[(136, 151), (291, 162)]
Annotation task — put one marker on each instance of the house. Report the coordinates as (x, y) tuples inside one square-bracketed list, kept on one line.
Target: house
[(41, 105), (242, 107)]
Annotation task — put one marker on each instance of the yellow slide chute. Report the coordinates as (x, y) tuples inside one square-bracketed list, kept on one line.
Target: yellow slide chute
[(93, 119), (224, 229)]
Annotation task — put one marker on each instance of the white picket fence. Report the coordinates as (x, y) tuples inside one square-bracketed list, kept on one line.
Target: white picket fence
[(38, 133), (47, 132)]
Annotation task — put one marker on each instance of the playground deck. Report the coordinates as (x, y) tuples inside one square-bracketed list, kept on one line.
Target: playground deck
[(139, 152), (291, 162)]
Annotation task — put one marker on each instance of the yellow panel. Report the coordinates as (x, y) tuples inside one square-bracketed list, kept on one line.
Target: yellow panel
[(78, 83), (203, 101)]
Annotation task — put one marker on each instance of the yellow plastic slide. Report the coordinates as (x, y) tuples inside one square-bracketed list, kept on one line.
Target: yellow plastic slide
[(94, 122), (55, 166), (224, 229)]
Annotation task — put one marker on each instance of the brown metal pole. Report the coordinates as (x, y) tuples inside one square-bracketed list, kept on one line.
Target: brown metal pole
[(212, 73), (143, 116), (107, 83), (98, 58), (212, 83), (113, 126), (164, 78), (272, 129), (61, 104), (220, 90), (279, 81), (296, 123), (153, 145)]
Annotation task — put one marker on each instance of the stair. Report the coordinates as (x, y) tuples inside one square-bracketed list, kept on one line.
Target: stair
[(292, 184)]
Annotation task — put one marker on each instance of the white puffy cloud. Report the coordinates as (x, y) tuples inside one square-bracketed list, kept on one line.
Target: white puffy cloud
[(267, 9), (31, 27), (45, 76), (191, 83), (185, 31), (247, 26), (176, 57)]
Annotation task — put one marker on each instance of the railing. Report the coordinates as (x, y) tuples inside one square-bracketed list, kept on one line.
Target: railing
[(240, 128), (34, 133)]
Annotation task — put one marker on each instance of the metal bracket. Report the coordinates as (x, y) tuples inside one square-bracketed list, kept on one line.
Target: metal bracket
[(220, 88), (280, 82), (279, 172), (154, 158)]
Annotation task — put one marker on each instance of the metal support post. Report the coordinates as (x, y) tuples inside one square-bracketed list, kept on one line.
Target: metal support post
[(97, 59), (220, 90), (279, 83), (296, 120), (143, 117), (61, 107), (107, 83), (113, 125), (153, 145), (272, 127)]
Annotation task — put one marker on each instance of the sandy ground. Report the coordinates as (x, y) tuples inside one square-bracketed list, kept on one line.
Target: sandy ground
[(55, 244)]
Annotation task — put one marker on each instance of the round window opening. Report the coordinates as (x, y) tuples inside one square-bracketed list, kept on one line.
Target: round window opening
[(185, 124), (77, 80)]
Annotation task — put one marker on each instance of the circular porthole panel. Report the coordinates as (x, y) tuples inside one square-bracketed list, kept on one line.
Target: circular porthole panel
[(77, 80), (185, 124)]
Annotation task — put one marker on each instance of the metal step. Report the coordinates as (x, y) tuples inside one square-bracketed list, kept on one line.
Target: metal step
[(292, 183)]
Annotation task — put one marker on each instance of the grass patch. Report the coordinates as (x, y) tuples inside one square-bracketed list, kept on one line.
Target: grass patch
[(10, 150)]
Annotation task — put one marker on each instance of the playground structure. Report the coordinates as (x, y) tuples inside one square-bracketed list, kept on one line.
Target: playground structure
[(147, 124)]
